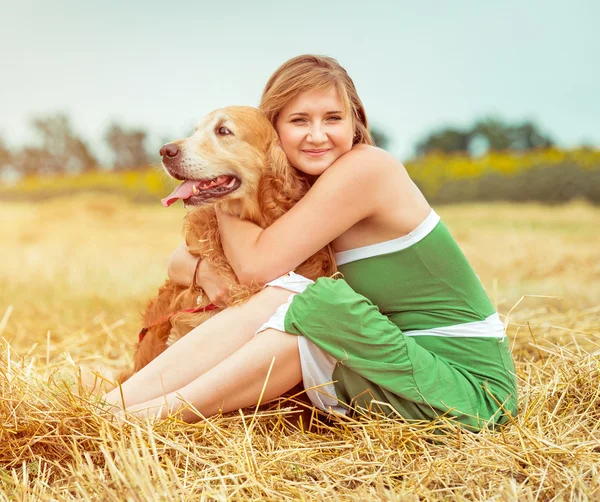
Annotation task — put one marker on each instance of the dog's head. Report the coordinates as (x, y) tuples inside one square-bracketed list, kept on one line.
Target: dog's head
[(225, 158)]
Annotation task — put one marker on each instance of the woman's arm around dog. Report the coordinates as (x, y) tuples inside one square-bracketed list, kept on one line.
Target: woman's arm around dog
[(182, 266), (364, 183)]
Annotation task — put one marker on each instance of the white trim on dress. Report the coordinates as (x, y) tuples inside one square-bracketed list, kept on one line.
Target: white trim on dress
[(491, 327), (386, 247)]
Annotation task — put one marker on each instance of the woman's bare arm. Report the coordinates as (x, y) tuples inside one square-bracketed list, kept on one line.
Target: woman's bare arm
[(344, 194), (182, 266)]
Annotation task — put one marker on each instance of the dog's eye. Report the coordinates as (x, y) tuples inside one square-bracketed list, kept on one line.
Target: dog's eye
[(223, 131)]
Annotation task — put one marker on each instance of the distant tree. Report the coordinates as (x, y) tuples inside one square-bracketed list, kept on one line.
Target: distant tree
[(5, 154), (444, 140), (5, 160), (128, 147), (60, 150), (527, 136), (382, 140), (496, 133), (486, 134), (502, 136), (32, 161)]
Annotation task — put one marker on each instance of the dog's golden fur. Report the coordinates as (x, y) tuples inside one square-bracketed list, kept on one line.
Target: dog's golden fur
[(269, 187)]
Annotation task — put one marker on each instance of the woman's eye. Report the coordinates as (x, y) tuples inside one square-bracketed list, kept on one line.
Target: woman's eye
[(223, 131), (295, 121), (334, 117)]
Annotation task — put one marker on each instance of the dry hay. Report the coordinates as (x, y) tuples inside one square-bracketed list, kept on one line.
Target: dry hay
[(56, 444)]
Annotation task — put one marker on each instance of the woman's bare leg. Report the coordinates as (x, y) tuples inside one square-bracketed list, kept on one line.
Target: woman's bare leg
[(236, 382), (200, 350)]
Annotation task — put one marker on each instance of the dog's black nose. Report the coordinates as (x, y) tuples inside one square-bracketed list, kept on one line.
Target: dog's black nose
[(170, 150)]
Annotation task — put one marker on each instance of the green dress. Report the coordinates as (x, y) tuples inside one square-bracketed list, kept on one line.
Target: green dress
[(409, 331)]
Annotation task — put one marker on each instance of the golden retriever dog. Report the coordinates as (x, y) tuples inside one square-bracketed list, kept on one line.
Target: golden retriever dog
[(232, 160)]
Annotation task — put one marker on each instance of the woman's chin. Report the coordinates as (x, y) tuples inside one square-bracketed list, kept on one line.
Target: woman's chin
[(314, 167), (313, 170)]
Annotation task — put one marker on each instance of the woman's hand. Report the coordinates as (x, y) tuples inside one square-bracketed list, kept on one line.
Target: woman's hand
[(214, 285), (181, 269), (181, 266)]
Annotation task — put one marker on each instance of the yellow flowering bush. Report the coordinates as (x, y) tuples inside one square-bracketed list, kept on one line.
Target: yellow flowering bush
[(550, 175), (144, 185)]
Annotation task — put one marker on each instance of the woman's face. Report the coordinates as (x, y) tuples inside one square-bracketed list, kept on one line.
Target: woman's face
[(314, 130)]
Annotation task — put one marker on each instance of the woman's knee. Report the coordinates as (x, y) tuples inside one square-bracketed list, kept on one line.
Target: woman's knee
[(256, 310), (333, 298), (273, 294), (331, 309)]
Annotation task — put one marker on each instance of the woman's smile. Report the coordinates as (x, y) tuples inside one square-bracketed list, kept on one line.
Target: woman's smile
[(316, 153)]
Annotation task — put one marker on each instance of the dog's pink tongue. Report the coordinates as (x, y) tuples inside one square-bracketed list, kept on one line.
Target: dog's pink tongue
[(183, 191)]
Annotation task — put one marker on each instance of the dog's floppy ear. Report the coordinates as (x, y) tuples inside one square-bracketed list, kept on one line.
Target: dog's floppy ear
[(293, 183), (281, 187), (280, 167)]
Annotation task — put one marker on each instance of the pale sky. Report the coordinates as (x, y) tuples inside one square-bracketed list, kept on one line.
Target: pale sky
[(417, 65)]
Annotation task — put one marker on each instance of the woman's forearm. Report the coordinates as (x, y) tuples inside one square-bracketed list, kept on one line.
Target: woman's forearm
[(240, 244), (181, 269), (181, 266)]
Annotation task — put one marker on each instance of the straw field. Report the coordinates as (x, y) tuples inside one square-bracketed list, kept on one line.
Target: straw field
[(75, 273)]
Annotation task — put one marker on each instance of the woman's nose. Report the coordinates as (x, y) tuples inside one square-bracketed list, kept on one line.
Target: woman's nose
[(317, 135)]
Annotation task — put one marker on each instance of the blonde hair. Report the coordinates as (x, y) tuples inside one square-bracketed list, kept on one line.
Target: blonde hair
[(309, 73)]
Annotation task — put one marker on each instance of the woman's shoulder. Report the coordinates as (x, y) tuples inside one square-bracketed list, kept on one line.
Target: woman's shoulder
[(376, 160)]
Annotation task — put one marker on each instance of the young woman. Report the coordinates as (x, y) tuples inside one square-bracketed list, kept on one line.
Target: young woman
[(408, 327)]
